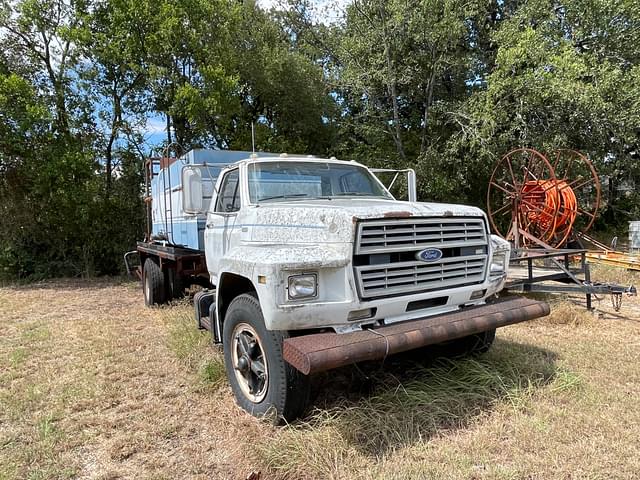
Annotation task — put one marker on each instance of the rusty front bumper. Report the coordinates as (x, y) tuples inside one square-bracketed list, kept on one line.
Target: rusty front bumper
[(323, 351)]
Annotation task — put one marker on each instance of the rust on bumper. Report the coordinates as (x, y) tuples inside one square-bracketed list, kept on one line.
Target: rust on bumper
[(324, 351)]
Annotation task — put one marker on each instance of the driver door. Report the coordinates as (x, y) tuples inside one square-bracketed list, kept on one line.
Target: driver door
[(221, 222)]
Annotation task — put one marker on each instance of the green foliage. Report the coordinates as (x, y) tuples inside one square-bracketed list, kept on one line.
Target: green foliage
[(443, 86), (401, 68), (560, 80)]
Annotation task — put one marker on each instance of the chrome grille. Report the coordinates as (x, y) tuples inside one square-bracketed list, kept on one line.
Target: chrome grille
[(396, 278), (384, 236)]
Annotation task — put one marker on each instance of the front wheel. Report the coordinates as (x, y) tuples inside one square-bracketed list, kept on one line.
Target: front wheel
[(262, 382)]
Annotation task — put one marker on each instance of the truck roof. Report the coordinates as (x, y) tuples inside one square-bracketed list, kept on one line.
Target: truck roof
[(297, 158)]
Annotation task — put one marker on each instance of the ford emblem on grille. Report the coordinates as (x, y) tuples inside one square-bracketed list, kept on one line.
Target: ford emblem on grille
[(429, 255)]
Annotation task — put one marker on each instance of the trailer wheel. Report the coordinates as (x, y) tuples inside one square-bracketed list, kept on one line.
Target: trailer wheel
[(262, 382), (153, 284)]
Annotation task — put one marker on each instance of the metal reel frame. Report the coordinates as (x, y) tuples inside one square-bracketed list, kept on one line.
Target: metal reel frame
[(520, 167), (549, 203), (588, 205)]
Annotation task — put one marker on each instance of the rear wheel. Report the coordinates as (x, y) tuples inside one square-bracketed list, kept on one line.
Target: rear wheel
[(262, 382), (174, 285), (153, 284)]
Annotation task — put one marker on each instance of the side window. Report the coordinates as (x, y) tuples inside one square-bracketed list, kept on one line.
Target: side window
[(229, 196)]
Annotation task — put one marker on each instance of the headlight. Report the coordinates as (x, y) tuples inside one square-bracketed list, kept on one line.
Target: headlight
[(303, 286), (500, 257), (498, 263)]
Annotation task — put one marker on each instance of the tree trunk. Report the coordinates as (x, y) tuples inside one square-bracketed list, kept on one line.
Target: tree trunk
[(58, 88), (427, 105), (396, 111), (109, 162), (168, 130), (392, 87), (116, 124)]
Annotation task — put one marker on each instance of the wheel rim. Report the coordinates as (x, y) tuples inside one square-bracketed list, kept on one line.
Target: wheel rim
[(147, 288), (249, 363)]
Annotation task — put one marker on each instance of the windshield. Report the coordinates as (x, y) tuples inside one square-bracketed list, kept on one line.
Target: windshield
[(272, 181)]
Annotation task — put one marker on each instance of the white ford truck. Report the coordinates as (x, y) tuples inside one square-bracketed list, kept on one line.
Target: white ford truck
[(311, 264)]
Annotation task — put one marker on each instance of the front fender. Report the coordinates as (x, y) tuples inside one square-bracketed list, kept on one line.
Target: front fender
[(267, 267)]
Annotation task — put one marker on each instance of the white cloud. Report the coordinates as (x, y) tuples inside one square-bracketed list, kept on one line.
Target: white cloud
[(322, 11), (155, 125)]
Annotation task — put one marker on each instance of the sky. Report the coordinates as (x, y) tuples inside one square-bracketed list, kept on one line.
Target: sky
[(155, 132), (325, 11)]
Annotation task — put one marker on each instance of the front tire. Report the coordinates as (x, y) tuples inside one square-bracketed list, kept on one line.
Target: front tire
[(262, 382), (470, 346), (153, 283)]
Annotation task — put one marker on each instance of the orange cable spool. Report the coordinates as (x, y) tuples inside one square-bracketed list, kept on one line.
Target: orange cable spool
[(556, 207), (547, 202)]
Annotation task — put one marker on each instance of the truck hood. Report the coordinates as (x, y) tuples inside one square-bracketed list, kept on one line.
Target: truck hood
[(333, 221)]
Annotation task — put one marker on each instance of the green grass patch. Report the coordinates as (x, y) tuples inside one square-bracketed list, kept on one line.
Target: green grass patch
[(411, 407), (187, 342), (18, 356), (212, 372), (37, 452), (193, 348), (35, 333), (47, 429)]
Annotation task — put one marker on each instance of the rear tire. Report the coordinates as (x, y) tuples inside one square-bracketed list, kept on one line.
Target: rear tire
[(153, 284), (263, 383), (175, 285)]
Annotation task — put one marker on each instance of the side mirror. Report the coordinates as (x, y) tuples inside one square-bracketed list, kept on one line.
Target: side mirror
[(412, 189), (192, 190)]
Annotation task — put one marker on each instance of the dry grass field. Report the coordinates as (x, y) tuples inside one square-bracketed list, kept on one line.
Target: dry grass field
[(93, 385)]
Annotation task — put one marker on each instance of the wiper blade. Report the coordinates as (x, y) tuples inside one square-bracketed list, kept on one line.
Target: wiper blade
[(293, 195), (356, 194)]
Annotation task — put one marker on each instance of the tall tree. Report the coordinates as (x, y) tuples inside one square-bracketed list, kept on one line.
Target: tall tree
[(116, 78), (399, 66), (45, 31)]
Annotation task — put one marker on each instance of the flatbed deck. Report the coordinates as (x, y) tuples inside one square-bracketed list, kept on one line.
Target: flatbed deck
[(186, 262)]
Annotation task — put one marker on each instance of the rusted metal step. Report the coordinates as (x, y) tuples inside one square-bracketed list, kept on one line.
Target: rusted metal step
[(324, 351)]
